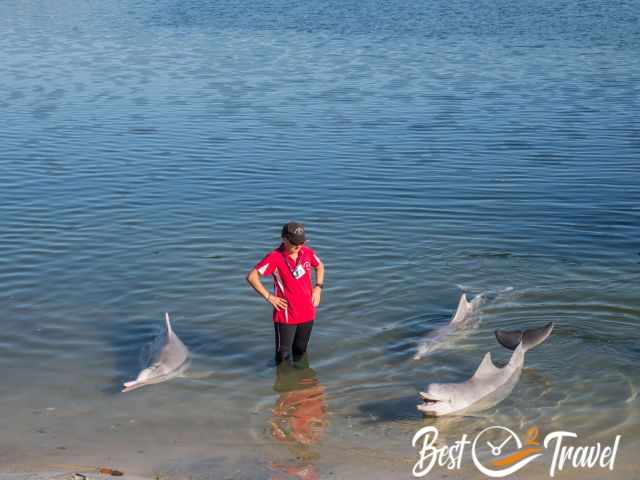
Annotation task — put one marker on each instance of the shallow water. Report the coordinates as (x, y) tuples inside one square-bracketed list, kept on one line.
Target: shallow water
[(151, 150)]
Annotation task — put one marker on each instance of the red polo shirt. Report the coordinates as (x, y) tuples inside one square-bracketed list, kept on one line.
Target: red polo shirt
[(298, 291)]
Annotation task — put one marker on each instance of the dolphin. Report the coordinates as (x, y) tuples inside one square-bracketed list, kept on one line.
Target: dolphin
[(490, 384), (465, 318), (169, 362)]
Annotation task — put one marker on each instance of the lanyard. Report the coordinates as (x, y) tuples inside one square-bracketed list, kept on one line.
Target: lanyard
[(286, 261)]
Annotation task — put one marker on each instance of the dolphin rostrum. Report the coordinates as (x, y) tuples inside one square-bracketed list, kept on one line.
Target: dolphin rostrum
[(170, 361), (490, 384), (465, 318)]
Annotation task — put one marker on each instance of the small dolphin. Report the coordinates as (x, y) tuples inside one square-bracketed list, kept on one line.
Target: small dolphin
[(170, 361), (465, 318), (490, 384)]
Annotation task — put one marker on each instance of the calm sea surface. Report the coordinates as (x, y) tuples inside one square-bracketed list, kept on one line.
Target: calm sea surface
[(151, 150)]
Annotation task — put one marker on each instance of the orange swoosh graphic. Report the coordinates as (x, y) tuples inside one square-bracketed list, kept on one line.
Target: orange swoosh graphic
[(517, 456)]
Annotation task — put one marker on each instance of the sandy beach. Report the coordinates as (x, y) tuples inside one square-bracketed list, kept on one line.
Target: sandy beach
[(267, 462)]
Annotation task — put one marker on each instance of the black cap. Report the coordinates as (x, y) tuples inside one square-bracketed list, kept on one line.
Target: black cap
[(294, 232)]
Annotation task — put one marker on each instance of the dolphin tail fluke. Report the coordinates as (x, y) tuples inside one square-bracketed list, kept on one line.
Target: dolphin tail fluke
[(533, 337), (529, 338), (509, 339), (167, 322)]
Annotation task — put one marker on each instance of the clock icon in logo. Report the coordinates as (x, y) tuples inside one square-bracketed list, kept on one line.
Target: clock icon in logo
[(507, 442)]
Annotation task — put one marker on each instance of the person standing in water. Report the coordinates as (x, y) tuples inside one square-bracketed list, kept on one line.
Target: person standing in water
[(294, 300)]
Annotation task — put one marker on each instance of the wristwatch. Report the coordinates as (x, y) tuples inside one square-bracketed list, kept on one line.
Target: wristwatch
[(319, 285)]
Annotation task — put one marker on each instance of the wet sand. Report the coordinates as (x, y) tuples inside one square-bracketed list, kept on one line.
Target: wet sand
[(325, 462)]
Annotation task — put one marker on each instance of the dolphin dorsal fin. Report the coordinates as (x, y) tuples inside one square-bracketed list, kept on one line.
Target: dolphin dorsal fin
[(167, 322), (486, 367), (463, 308)]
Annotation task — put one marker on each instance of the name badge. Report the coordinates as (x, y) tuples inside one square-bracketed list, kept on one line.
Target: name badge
[(299, 272)]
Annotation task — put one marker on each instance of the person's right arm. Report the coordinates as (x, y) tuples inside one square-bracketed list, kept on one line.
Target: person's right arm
[(253, 278)]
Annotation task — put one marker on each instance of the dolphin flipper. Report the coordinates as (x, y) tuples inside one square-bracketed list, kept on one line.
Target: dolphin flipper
[(530, 338)]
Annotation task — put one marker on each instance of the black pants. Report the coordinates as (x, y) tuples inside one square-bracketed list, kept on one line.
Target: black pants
[(291, 341)]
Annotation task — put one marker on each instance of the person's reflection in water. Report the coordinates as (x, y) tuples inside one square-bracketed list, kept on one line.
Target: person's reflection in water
[(299, 416)]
